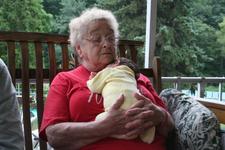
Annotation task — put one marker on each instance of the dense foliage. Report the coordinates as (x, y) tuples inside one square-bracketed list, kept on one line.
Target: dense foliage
[(24, 15), (190, 34)]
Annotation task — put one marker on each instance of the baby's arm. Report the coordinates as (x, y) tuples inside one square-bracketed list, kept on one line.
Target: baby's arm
[(97, 81)]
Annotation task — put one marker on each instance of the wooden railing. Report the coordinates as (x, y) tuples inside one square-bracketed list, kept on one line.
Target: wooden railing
[(217, 106)]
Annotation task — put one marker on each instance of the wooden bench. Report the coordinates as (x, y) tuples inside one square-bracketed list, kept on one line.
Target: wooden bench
[(51, 54)]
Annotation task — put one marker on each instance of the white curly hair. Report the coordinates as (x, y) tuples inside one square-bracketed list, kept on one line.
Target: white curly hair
[(79, 24)]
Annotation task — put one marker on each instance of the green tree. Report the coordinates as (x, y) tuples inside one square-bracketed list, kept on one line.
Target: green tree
[(70, 9), (131, 15), (186, 42), (211, 13), (24, 15), (52, 6), (221, 41)]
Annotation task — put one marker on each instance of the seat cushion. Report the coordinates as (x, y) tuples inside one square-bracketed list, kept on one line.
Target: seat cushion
[(196, 127)]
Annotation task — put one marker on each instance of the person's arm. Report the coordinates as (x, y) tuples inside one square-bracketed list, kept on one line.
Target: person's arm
[(166, 126), (75, 135), (11, 135)]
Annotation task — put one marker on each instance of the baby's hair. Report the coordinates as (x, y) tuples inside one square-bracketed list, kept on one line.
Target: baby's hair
[(133, 66)]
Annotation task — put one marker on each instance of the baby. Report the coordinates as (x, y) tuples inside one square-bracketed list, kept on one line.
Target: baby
[(116, 79)]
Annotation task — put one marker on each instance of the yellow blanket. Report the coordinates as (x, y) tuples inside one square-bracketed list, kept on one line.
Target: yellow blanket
[(111, 82)]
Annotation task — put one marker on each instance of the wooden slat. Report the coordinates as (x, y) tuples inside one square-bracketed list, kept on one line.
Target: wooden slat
[(39, 89), (122, 50), (133, 53), (25, 95), (46, 37), (32, 36), (39, 81), (131, 42), (11, 60), (157, 82), (65, 57), (32, 73), (52, 61)]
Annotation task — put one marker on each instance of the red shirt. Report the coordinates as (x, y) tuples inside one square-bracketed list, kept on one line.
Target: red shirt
[(68, 100)]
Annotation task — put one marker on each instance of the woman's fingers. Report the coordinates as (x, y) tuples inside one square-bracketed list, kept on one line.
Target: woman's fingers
[(118, 103), (139, 96), (133, 124), (143, 126), (138, 104), (134, 120)]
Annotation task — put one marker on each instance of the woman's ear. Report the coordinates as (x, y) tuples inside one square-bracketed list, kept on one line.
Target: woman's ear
[(78, 50)]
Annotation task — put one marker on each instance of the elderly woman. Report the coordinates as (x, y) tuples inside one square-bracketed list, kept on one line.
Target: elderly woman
[(69, 117)]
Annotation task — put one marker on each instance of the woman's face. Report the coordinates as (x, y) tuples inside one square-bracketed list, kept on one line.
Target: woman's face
[(97, 48)]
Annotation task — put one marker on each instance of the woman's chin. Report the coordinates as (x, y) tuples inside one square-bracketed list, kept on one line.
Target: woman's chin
[(108, 58)]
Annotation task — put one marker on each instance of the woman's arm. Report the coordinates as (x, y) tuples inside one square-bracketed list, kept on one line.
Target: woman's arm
[(167, 125), (74, 135)]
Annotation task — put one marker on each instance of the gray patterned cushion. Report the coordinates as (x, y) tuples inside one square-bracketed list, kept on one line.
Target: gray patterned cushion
[(197, 128), (223, 139)]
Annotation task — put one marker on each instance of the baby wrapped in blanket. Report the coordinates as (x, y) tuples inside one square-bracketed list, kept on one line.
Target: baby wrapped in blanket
[(116, 79)]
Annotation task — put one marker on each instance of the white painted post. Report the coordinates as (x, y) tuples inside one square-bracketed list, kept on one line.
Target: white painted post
[(150, 32)]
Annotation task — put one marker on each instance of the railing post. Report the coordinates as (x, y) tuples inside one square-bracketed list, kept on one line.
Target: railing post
[(220, 91), (175, 85), (178, 87), (201, 88)]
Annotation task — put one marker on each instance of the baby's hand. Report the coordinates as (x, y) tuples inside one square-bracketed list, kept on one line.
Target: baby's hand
[(92, 75)]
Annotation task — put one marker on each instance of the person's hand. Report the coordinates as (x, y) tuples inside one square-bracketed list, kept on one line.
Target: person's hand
[(143, 115), (116, 119)]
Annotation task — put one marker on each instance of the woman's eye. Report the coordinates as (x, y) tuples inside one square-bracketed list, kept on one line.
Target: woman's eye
[(96, 38), (111, 39)]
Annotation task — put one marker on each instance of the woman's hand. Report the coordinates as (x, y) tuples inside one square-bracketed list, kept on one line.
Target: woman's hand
[(116, 118), (143, 115), (137, 119)]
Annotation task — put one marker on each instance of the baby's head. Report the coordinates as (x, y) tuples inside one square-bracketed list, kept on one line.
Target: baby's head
[(129, 63), (126, 62)]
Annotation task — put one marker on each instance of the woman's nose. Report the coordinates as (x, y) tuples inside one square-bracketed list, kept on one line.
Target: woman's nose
[(106, 43)]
